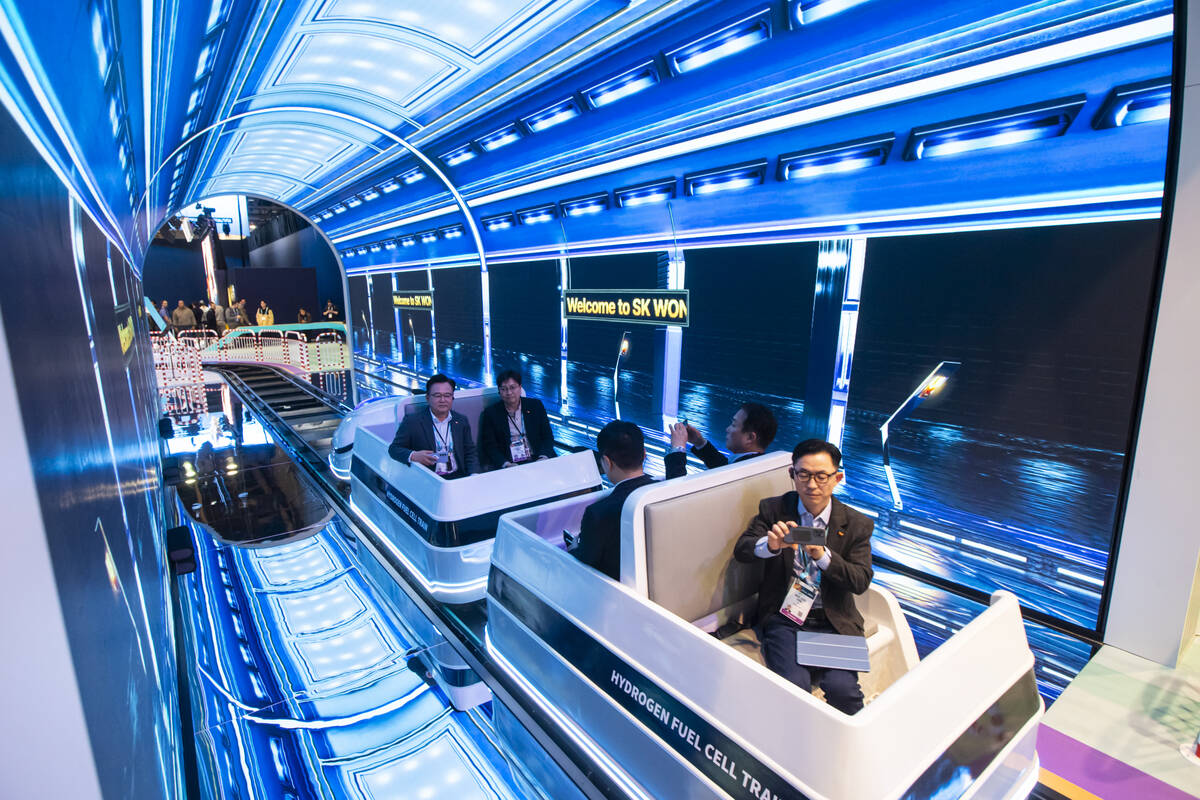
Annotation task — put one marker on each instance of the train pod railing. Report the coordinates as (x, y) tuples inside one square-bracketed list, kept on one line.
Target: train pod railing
[(307, 347)]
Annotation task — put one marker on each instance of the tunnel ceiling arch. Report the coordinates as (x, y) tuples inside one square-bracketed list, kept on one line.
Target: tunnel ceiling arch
[(755, 120)]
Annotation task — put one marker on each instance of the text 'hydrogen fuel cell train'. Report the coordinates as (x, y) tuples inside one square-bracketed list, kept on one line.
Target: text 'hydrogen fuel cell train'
[(632, 672)]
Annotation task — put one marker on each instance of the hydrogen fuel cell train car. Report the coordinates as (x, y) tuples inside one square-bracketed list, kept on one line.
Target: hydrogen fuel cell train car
[(632, 671), (443, 530)]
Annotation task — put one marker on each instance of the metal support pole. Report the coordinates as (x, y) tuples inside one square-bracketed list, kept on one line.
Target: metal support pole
[(564, 277)]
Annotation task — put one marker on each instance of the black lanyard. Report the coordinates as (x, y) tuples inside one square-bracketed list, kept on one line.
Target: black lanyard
[(513, 420), (438, 437)]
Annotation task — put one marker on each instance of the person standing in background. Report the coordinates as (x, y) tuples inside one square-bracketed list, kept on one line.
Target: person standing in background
[(264, 315), (331, 312), (182, 317), (303, 317)]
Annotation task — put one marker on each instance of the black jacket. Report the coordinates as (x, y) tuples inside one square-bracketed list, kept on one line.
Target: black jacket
[(599, 544), (416, 433), (676, 463), (849, 572), (494, 438)]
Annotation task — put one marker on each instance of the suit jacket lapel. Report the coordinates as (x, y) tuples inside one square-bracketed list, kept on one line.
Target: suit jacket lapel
[(427, 427), (838, 520)]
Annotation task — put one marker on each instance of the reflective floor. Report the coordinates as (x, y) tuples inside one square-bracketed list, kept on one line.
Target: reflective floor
[(304, 682)]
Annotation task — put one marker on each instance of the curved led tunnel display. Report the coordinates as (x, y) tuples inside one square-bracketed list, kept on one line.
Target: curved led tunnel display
[(814, 204)]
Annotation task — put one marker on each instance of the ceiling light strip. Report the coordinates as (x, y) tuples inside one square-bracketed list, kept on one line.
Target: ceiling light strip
[(1039, 58)]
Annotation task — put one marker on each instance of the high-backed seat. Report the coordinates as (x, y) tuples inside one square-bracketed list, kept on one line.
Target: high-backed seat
[(686, 544)]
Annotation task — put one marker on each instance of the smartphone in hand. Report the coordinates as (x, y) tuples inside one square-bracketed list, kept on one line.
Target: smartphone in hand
[(805, 536)]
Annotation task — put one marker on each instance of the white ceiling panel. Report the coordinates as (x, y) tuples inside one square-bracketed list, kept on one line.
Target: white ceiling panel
[(395, 71), (468, 25)]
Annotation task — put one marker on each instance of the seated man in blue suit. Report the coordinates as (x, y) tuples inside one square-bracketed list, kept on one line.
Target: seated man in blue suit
[(622, 452), (438, 437)]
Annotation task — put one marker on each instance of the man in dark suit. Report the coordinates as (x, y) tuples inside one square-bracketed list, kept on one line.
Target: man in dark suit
[(622, 453), (837, 571), (437, 437), (516, 429), (749, 434)]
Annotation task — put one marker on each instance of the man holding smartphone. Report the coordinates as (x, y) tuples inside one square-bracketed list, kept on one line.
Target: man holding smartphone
[(749, 434), (810, 587)]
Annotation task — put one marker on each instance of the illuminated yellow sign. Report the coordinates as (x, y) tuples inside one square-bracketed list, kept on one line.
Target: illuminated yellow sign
[(418, 300), (647, 307), (125, 332)]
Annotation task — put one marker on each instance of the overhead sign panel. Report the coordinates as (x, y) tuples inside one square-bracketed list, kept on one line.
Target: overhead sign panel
[(646, 306), (419, 300)]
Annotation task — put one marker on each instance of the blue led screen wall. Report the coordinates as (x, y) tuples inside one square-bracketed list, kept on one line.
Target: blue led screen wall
[(88, 408), (525, 324), (1021, 454), (458, 310)]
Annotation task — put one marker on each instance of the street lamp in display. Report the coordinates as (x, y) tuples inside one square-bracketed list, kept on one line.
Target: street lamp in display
[(932, 384), (621, 353)]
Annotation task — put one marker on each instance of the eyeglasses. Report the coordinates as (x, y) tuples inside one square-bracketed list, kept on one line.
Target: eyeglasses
[(804, 476), (510, 389), (442, 396)]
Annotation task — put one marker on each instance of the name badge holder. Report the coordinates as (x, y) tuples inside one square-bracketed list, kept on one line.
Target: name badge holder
[(519, 448), (442, 467), (518, 444), (802, 594)]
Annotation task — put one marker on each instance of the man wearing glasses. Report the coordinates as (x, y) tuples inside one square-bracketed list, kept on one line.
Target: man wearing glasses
[(810, 587), (516, 430), (438, 437)]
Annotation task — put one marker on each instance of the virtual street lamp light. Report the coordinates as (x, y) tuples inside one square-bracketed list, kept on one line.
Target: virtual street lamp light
[(926, 388), (622, 351)]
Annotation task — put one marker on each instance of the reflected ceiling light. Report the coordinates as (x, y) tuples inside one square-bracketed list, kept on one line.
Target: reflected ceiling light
[(194, 99), (806, 12), (387, 187), (725, 179), (645, 194), (498, 222), (497, 139), (554, 115), (458, 155), (727, 41), (998, 129), (408, 241), (390, 244), (376, 248), (451, 232), (202, 66), (628, 83), (370, 194), (360, 251), (584, 206), (836, 159), (532, 216), (428, 236), (1133, 103), (354, 202), (417, 174), (326, 215), (339, 209)]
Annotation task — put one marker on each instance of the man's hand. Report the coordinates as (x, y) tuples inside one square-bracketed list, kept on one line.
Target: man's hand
[(426, 458), (815, 551), (679, 434), (694, 436), (775, 536), (507, 464)]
